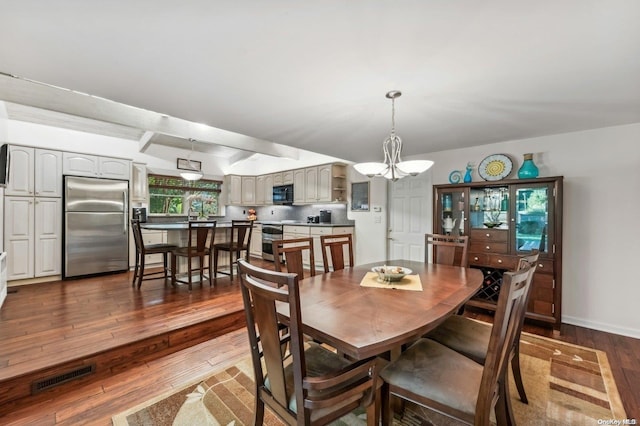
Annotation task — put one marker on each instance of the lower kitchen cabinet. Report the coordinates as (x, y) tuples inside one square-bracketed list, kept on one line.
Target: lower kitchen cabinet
[(300, 231), (33, 238), (255, 249)]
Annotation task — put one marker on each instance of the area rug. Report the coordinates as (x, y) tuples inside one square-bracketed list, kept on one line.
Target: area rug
[(566, 385)]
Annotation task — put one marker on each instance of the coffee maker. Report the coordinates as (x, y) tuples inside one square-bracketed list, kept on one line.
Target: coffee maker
[(325, 216)]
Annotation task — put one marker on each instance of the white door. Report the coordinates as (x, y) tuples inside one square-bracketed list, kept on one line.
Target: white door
[(20, 171), (18, 234), (409, 217), (48, 238), (310, 185), (48, 173), (114, 168)]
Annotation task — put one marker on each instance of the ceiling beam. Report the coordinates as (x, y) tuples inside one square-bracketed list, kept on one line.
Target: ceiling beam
[(44, 96)]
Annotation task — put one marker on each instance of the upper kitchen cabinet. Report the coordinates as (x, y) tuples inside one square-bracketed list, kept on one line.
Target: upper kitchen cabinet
[(325, 184), (264, 189), (242, 190), (139, 183), (34, 172), (95, 166), (248, 190), (298, 186)]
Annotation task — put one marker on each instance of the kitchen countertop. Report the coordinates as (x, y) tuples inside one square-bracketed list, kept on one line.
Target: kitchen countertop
[(301, 223), (176, 226)]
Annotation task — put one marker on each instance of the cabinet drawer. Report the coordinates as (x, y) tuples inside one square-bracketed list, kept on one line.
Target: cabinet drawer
[(502, 261), (320, 230), (488, 247), (545, 266), (477, 259), (494, 235), (292, 229)]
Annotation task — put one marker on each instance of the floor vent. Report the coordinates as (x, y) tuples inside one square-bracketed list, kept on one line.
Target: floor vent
[(52, 382)]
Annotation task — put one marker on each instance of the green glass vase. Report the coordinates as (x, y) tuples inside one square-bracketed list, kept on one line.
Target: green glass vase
[(528, 170)]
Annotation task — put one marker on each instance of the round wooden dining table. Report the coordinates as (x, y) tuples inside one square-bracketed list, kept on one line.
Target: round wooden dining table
[(362, 321)]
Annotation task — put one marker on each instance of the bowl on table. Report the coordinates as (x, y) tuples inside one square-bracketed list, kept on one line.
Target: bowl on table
[(388, 273)]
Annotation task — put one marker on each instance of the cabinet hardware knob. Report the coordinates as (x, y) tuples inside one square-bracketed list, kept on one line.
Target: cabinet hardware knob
[(540, 265), (488, 235), (499, 260), (475, 258), (488, 248)]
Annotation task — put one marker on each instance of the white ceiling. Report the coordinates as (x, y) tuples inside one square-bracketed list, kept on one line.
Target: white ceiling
[(313, 75)]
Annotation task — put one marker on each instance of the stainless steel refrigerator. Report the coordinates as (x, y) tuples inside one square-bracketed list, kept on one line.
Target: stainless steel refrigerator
[(96, 230)]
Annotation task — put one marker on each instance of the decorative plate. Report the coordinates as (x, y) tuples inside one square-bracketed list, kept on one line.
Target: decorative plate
[(495, 167)]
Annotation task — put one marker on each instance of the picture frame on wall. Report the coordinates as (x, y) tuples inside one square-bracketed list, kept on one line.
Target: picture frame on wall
[(183, 164), (360, 196)]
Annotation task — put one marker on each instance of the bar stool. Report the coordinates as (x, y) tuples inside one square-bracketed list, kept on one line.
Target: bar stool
[(200, 240), (142, 250), (240, 241)]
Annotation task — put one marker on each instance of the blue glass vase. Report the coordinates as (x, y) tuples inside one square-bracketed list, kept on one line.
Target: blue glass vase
[(528, 170), (467, 176)]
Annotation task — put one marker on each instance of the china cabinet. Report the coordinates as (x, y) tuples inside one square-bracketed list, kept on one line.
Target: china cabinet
[(505, 219)]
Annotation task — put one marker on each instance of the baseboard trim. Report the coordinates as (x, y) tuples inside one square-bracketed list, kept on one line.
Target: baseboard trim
[(609, 328)]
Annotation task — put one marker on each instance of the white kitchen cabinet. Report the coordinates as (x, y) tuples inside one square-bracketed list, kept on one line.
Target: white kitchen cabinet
[(95, 166), (311, 185), (34, 172), (33, 239), (260, 190), (268, 189), (48, 238), (19, 236), (287, 177), (324, 181), (298, 186), (139, 183), (248, 190), (255, 248), (235, 190), (277, 179), (3, 277)]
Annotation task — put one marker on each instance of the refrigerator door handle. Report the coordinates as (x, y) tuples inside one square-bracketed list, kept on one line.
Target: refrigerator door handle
[(125, 211)]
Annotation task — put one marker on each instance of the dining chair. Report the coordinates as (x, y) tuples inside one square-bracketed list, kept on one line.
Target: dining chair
[(471, 338), (142, 250), (239, 241), (335, 244), (201, 235), (437, 377), (306, 384), (293, 252), (447, 249)]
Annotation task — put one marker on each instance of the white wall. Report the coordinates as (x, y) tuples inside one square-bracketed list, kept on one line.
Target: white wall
[(601, 227), (371, 226)]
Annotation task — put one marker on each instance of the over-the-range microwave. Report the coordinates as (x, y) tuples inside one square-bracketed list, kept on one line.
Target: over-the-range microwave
[(283, 194)]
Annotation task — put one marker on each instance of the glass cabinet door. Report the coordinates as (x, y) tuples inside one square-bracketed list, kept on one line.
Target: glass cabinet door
[(451, 208), (489, 207), (533, 218)]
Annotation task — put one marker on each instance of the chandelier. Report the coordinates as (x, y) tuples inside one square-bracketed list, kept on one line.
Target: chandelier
[(393, 168), (191, 172)]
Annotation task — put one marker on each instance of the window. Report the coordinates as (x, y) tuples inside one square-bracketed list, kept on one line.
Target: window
[(174, 195)]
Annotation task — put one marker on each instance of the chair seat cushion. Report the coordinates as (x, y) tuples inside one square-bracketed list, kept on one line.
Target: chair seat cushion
[(319, 361), (433, 372), (463, 335), (159, 248), (186, 251), (230, 246)]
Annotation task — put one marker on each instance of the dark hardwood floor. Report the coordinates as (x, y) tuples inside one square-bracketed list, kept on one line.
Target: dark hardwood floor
[(144, 343)]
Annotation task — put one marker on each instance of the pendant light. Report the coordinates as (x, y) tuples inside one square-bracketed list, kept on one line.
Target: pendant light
[(393, 168), (192, 173)]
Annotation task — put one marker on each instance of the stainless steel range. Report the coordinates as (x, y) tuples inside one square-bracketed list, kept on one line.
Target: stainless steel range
[(270, 233)]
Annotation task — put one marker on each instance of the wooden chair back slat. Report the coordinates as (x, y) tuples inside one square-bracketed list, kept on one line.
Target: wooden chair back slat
[(335, 244), (294, 251), (447, 249)]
